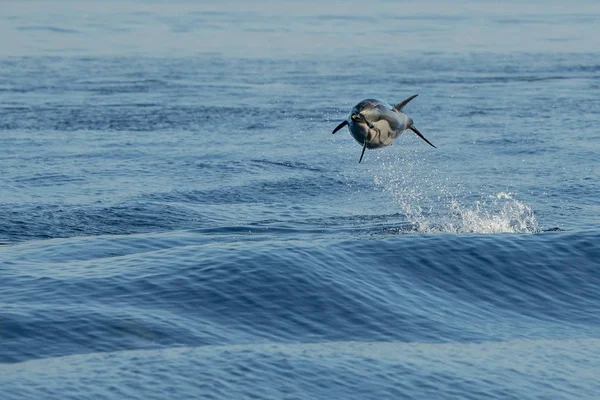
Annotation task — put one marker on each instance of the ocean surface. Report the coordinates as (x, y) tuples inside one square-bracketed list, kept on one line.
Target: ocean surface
[(177, 220)]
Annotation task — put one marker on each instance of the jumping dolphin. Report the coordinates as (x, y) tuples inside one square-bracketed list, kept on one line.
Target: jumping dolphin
[(375, 123)]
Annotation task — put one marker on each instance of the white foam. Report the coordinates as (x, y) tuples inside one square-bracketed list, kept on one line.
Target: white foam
[(502, 213), (434, 204)]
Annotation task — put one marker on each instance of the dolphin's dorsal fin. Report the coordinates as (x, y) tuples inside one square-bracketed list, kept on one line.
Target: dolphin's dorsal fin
[(400, 106)]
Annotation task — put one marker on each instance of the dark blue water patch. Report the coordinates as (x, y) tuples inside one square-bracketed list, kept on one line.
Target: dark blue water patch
[(52, 29), (124, 86), (135, 118), (261, 191), (34, 222), (518, 21), (289, 164), (75, 329), (336, 18), (585, 68), (47, 179), (472, 113), (555, 229), (259, 126), (104, 118)]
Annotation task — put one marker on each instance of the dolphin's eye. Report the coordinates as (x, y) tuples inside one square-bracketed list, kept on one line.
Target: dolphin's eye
[(356, 117)]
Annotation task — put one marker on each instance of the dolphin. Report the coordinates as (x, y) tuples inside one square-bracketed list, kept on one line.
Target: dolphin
[(374, 123)]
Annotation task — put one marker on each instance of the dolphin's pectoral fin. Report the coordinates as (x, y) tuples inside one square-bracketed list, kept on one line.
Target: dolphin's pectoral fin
[(363, 152), (400, 106), (415, 130), (340, 126)]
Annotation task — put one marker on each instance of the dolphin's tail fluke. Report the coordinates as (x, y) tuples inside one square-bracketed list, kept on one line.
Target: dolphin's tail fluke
[(340, 126), (415, 130)]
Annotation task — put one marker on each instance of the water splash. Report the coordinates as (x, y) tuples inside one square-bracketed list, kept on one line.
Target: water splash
[(497, 214), (501, 213), (433, 203)]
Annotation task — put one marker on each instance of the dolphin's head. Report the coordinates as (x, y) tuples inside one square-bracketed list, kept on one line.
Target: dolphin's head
[(368, 110), (363, 114), (364, 107), (358, 114)]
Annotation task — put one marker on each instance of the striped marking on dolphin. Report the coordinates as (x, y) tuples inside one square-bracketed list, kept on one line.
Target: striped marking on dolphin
[(374, 123)]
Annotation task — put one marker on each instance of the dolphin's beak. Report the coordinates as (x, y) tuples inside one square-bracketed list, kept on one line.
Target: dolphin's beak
[(340, 126), (360, 118)]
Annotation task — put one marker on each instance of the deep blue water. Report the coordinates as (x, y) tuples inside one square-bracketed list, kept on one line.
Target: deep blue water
[(177, 221)]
